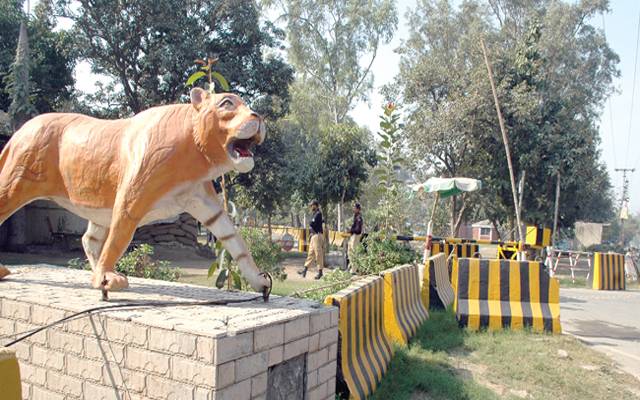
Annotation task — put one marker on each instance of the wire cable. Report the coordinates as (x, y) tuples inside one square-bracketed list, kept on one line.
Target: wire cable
[(633, 90), (99, 309)]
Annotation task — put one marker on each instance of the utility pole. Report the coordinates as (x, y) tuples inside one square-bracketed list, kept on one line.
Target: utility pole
[(505, 141), (624, 201)]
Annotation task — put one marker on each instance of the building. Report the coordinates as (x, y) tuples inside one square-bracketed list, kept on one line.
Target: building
[(484, 230)]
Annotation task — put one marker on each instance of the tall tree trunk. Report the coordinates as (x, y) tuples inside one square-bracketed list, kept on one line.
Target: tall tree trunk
[(269, 227), (452, 226), (495, 228)]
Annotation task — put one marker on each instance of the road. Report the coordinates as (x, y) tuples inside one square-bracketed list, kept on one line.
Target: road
[(607, 320)]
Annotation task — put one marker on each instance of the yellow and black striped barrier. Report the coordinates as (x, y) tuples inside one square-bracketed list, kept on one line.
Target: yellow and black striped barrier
[(607, 272), (436, 291), (498, 294), (537, 236), (459, 249), (403, 309), (506, 252), (365, 350), (10, 387)]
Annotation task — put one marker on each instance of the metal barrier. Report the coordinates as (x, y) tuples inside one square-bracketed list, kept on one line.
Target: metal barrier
[(607, 272), (500, 294), (436, 291), (365, 350), (403, 309)]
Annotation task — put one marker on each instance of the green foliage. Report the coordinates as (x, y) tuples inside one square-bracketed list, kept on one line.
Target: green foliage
[(335, 281), (19, 83), (265, 253), (51, 59), (139, 263), (206, 69), (339, 164), (144, 46), (377, 253), (390, 162), (332, 46)]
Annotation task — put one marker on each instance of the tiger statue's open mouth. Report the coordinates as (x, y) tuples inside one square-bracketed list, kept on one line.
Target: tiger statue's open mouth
[(239, 148)]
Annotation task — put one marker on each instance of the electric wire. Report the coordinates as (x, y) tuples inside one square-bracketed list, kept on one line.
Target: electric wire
[(633, 90), (99, 309)]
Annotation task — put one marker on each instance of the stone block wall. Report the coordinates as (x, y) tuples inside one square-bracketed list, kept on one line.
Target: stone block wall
[(186, 352), (181, 230)]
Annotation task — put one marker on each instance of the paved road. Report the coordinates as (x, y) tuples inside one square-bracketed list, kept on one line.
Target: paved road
[(607, 320)]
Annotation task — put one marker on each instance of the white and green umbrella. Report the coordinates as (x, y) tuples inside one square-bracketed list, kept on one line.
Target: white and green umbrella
[(446, 187), (443, 187)]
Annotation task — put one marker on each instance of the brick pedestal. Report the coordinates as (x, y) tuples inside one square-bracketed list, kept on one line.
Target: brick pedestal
[(196, 352)]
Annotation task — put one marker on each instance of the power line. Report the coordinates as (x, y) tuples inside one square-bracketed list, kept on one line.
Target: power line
[(633, 90)]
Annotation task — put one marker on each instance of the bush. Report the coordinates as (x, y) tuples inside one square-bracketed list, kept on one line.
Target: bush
[(265, 253), (378, 252), (339, 277), (138, 263)]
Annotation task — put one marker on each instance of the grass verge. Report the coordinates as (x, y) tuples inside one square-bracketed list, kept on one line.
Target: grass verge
[(280, 288), (445, 362)]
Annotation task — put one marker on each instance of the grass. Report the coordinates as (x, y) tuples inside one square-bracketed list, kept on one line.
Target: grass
[(280, 288), (445, 362)]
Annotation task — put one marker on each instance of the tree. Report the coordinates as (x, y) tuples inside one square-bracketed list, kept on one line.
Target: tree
[(268, 186), (333, 44), (552, 70), (51, 62), (337, 165), (145, 49)]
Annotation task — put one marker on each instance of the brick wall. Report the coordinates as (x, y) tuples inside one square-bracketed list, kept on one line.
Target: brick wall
[(196, 352)]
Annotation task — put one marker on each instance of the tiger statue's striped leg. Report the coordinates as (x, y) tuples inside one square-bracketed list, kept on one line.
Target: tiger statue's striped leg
[(93, 241), (206, 208)]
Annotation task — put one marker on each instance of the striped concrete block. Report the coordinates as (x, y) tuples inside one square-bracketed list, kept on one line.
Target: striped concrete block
[(436, 291), (365, 350), (607, 272), (10, 385), (498, 294), (403, 309)]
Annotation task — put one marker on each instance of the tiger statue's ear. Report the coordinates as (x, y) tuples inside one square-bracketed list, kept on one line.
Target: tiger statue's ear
[(198, 96)]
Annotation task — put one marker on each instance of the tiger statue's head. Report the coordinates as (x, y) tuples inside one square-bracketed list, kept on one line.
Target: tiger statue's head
[(225, 129)]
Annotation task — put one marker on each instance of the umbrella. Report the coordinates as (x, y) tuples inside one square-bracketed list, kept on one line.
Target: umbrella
[(443, 187), (446, 187)]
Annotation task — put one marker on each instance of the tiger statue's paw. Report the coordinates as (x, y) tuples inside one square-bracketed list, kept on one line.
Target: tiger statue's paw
[(4, 271), (109, 281)]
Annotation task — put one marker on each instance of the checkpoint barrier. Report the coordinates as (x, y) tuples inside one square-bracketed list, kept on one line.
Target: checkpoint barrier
[(365, 349), (403, 309), (498, 294), (507, 252), (466, 250), (607, 272), (436, 291), (537, 236), (10, 375)]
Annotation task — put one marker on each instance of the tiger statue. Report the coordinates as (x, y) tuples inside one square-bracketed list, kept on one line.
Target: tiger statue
[(121, 174)]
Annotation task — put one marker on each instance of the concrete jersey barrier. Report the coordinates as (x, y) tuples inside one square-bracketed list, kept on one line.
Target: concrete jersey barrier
[(436, 291), (607, 272), (365, 350), (403, 309), (498, 294), (10, 385)]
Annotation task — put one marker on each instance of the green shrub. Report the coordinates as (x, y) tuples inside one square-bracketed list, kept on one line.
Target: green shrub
[(378, 252), (138, 263), (341, 280), (265, 253)]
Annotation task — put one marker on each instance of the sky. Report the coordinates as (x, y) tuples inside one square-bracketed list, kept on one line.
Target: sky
[(619, 123)]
